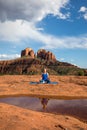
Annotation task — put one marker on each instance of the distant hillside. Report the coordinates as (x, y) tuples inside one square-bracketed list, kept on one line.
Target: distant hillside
[(34, 65)]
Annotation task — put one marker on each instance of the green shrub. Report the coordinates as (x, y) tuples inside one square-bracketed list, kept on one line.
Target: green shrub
[(80, 73)]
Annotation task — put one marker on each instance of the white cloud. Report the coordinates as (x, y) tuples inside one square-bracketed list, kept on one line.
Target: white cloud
[(85, 16), (62, 59), (83, 10), (66, 42), (6, 56), (31, 10), (72, 60), (17, 30), (19, 18), (14, 31)]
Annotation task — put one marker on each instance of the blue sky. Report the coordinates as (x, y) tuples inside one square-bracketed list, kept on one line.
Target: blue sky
[(59, 26)]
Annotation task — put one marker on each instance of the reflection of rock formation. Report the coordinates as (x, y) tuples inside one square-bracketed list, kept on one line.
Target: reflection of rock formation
[(44, 102), (28, 52), (46, 55)]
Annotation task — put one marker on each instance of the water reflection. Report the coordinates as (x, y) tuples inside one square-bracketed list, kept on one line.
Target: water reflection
[(44, 102), (77, 108)]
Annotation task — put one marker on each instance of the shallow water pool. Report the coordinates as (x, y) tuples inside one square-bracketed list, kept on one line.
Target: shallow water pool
[(76, 108)]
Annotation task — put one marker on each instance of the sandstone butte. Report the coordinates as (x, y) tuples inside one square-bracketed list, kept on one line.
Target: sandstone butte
[(42, 53), (33, 63)]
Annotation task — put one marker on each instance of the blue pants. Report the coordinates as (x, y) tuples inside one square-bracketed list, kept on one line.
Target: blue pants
[(45, 81)]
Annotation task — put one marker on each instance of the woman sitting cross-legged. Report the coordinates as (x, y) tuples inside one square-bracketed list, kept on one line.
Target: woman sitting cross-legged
[(45, 77)]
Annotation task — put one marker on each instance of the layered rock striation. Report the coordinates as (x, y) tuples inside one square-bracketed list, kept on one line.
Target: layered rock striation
[(28, 52), (29, 63), (46, 55), (42, 54)]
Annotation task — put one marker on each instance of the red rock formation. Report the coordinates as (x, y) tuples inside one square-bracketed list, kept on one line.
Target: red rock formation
[(28, 52), (41, 54), (46, 55), (33, 65)]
